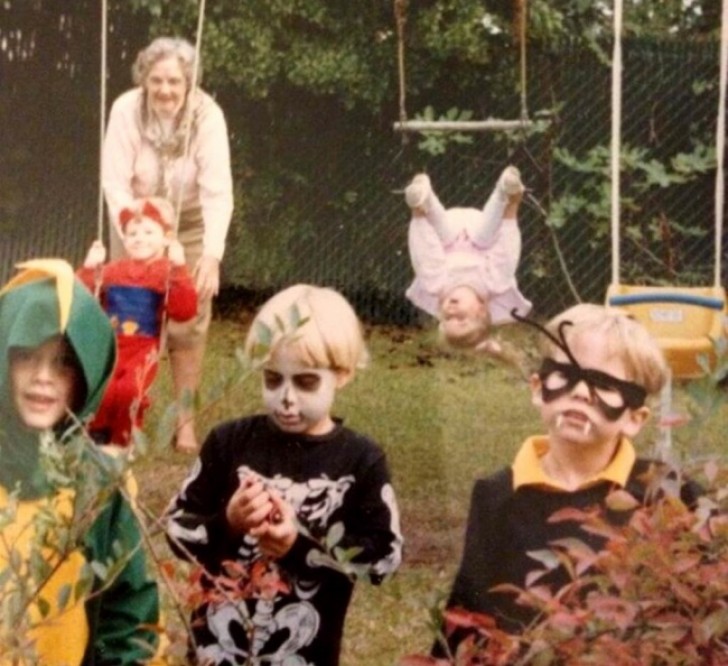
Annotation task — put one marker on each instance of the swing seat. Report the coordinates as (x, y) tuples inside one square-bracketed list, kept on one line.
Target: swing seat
[(687, 321)]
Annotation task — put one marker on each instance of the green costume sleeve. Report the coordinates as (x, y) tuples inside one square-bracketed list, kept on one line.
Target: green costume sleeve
[(122, 614)]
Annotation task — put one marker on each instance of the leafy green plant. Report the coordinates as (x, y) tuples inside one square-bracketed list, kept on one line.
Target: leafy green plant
[(35, 547), (654, 241), (437, 143), (657, 592)]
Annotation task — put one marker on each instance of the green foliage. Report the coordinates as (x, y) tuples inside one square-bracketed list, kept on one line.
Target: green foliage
[(452, 29), (269, 220), (437, 143), (554, 24), (586, 202), (347, 49), (705, 401), (325, 48), (671, 17), (35, 547)]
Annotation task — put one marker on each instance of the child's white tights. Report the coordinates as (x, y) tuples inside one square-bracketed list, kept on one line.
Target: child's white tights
[(481, 229)]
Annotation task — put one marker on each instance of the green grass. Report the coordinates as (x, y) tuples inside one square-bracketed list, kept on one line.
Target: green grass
[(443, 419)]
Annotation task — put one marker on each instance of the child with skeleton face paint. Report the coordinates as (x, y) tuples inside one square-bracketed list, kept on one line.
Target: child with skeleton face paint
[(599, 366), (290, 488)]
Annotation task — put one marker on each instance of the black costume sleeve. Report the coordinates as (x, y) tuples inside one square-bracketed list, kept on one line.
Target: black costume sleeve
[(475, 575), (196, 523)]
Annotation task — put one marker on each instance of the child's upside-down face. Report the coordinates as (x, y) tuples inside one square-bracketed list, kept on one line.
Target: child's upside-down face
[(44, 382), (298, 398), (461, 311)]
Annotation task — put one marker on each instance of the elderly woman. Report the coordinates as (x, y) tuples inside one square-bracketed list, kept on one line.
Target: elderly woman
[(148, 151)]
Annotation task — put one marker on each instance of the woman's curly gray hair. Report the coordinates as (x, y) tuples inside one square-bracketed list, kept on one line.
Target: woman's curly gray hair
[(161, 48)]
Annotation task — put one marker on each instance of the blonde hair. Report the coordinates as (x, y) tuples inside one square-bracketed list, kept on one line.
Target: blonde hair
[(160, 49), (317, 323), (631, 341), (468, 337)]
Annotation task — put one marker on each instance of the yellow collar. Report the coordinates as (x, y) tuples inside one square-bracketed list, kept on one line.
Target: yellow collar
[(527, 468)]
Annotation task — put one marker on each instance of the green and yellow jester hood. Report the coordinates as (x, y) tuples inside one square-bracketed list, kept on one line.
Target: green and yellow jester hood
[(44, 300)]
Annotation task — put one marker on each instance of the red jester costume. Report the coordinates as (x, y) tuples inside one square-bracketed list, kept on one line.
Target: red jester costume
[(137, 292)]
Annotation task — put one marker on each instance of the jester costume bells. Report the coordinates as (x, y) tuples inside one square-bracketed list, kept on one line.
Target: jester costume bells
[(110, 625)]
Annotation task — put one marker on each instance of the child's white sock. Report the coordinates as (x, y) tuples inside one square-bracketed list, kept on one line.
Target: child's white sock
[(509, 183), (417, 193)]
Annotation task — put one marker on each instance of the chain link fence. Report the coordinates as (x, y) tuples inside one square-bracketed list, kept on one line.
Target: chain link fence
[(334, 213), (346, 225)]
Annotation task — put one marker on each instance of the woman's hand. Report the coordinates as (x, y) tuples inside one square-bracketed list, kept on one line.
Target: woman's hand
[(207, 277)]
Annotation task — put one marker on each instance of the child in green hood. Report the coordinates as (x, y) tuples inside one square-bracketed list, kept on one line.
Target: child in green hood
[(57, 352)]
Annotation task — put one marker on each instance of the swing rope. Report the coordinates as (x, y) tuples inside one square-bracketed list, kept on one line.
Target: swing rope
[(185, 154), (102, 123), (522, 9), (400, 17), (492, 124), (188, 110), (616, 134), (102, 114), (102, 128), (685, 335), (187, 135), (720, 144), (187, 118)]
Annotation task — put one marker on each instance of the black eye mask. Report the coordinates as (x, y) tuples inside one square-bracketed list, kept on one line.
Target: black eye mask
[(633, 395)]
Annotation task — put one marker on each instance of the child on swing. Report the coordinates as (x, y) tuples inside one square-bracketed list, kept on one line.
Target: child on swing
[(292, 491), (465, 261), (137, 292), (57, 352)]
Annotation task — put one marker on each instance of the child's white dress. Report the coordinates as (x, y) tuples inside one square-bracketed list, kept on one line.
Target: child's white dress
[(466, 246)]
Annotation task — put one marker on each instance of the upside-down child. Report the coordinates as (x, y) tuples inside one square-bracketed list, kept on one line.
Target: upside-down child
[(57, 352), (599, 367), (465, 260), (290, 490), (137, 292)]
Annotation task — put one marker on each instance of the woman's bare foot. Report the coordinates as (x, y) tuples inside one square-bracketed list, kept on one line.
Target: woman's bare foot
[(185, 439)]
